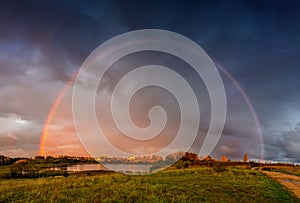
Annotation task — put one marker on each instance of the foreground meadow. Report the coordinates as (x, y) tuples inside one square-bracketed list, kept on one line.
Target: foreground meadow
[(201, 184), (288, 169)]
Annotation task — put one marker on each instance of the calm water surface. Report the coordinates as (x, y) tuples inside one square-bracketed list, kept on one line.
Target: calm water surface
[(115, 167)]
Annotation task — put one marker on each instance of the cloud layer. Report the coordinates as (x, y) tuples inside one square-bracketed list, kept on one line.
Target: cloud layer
[(42, 44)]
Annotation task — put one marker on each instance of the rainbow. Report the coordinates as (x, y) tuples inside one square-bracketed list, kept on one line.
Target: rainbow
[(241, 90), (71, 81), (51, 114)]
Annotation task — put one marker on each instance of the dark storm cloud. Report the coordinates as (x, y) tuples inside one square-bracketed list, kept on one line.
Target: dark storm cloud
[(63, 32), (257, 41), (284, 145), (43, 43)]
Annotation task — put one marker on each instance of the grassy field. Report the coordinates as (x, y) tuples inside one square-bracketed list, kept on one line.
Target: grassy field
[(5, 171), (293, 170), (203, 184)]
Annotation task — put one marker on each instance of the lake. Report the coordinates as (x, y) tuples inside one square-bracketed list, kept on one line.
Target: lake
[(131, 168)]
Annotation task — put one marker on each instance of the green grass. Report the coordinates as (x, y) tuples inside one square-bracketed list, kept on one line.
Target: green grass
[(4, 171), (293, 170), (174, 185)]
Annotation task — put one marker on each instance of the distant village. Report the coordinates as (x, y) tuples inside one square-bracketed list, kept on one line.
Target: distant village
[(148, 159)]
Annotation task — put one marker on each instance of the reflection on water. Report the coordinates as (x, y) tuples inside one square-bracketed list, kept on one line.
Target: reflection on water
[(133, 168), (85, 167)]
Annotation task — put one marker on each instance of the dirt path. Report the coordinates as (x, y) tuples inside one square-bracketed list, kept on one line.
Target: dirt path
[(290, 181)]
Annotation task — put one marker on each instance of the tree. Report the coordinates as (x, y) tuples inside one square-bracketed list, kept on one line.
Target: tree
[(246, 158), (223, 158)]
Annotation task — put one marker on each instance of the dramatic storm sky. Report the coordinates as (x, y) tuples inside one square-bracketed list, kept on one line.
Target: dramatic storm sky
[(44, 43)]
